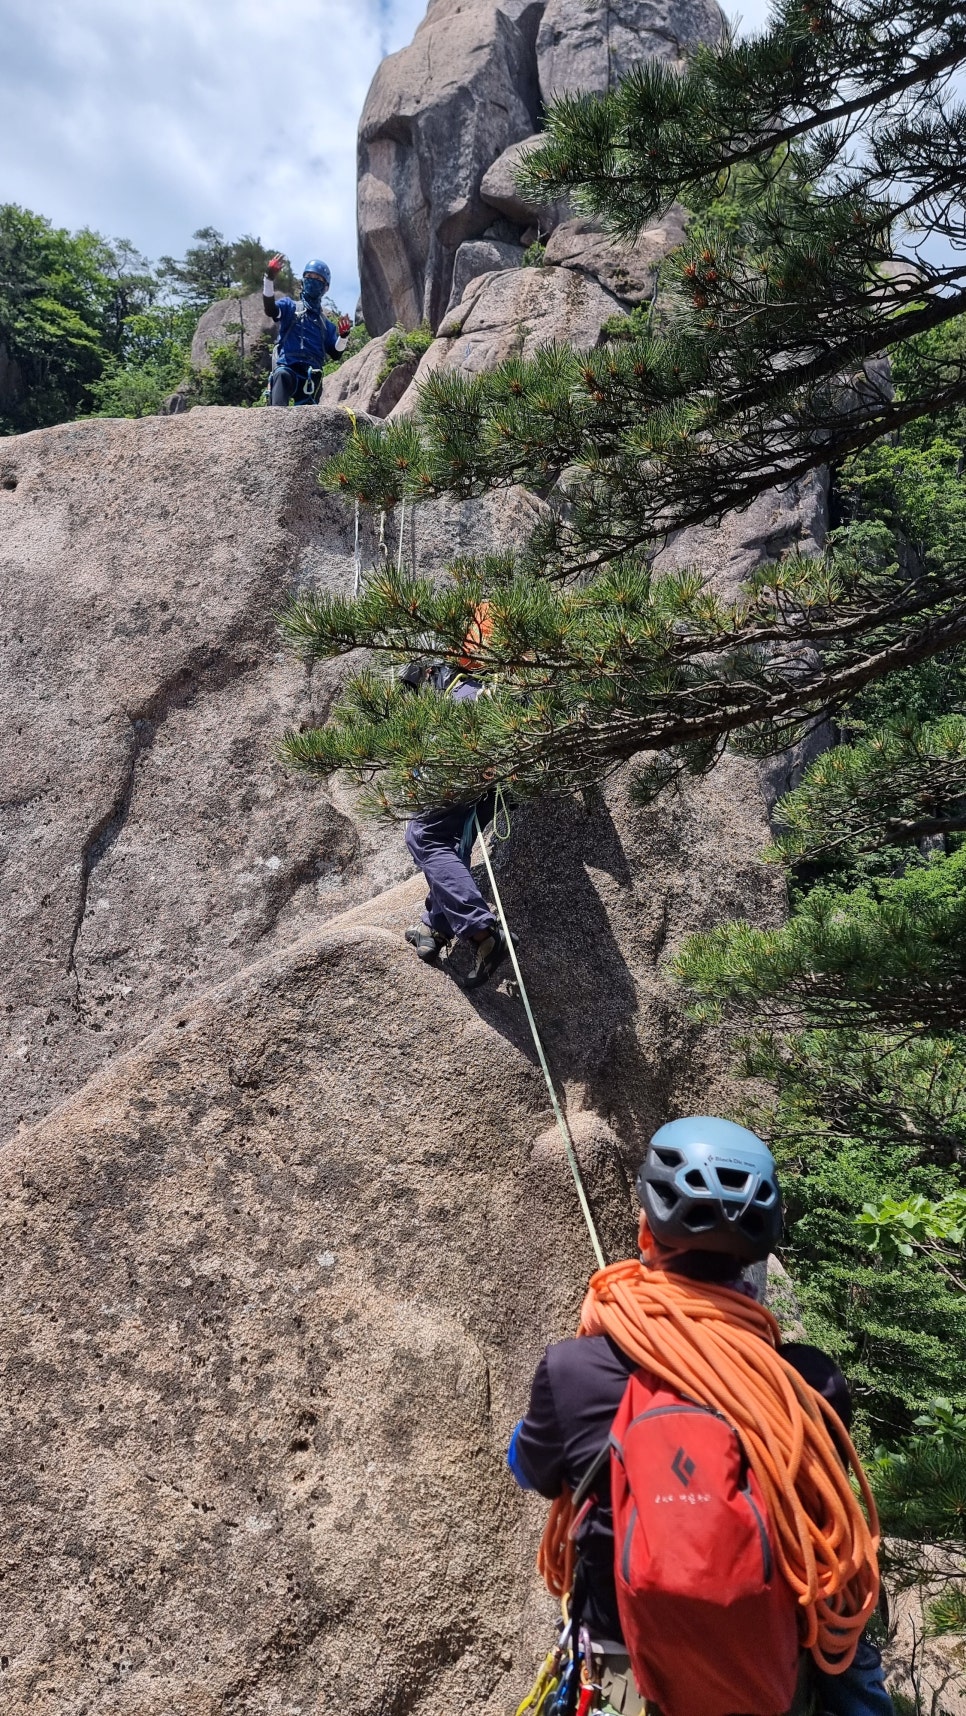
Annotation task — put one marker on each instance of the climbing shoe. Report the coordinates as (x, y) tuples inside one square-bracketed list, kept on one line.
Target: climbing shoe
[(428, 943), (490, 952)]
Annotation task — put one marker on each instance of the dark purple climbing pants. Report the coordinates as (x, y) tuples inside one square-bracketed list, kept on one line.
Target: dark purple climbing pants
[(454, 904)]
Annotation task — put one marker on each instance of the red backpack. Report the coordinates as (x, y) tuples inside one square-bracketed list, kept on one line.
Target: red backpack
[(709, 1622)]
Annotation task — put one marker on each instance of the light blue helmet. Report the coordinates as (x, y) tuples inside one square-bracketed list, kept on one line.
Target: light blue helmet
[(322, 269), (708, 1185)]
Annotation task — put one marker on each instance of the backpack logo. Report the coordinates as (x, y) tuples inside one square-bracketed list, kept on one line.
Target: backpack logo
[(682, 1467)]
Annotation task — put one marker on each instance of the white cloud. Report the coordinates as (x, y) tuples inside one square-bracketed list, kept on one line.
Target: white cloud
[(146, 119)]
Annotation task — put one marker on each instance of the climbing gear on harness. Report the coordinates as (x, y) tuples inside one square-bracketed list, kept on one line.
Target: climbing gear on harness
[(429, 944), (709, 1185), (547, 1683), (490, 953), (558, 1112), (719, 1349), (695, 1561)]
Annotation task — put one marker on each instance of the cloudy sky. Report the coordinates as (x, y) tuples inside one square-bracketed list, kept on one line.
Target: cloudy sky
[(147, 119)]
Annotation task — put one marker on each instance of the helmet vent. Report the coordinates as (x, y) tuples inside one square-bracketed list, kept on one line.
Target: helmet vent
[(694, 1177), (669, 1158), (699, 1220), (734, 1179)]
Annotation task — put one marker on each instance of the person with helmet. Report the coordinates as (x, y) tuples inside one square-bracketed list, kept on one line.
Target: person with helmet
[(710, 1206), (306, 337), (441, 841)]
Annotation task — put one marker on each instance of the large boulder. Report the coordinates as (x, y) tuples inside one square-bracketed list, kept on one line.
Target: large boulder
[(437, 115), (481, 256), (498, 187), (627, 269), (237, 321), (589, 45), (511, 315), (274, 1284), (374, 380)]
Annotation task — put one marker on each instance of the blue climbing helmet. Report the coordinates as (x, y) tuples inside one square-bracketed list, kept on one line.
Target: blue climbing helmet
[(708, 1185), (320, 270)]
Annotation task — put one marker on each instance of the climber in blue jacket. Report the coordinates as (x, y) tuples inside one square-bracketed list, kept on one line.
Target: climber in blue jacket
[(306, 338)]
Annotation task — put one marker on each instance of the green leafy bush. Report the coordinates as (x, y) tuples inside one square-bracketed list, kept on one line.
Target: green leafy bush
[(402, 346)]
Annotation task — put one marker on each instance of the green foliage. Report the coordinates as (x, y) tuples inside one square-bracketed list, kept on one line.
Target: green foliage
[(231, 377), (921, 1493), (215, 266), (535, 255), (401, 346), (155, 361), (903, 784), (903, 1227), (64, 303)]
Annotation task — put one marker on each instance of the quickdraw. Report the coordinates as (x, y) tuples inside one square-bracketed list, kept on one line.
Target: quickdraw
[(548, 1682)]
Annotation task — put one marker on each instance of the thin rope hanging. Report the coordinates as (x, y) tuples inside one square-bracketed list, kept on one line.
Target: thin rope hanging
[(402, 526), (559, 1115), (356, 558)]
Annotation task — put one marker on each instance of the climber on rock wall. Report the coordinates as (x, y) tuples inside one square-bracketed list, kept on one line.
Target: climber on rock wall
[(710, 1205), (441, 841), (306, 338)]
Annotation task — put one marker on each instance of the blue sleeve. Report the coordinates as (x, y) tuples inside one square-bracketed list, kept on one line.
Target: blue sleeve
[(537, 1447), (330, 335), (515, 1462), (286, 314)]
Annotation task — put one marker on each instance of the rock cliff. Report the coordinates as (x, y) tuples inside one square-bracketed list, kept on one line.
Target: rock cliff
[(286, 1221), (444, 120)]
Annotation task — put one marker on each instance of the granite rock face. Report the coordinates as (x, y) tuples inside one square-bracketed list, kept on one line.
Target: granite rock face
[(589, 45), (151, 841), (498, 187), (370, 381), (286, 1220), (511, 315), (481, 256), (437, 115), (446, 120), (629, 271), (275, 1281), (231, 321)]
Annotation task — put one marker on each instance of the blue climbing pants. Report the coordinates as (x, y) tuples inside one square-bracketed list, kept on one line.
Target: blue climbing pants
[(861, 1690), (454, 904)]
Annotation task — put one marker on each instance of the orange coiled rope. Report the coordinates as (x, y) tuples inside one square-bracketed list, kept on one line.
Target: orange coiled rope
[(718, 1347)]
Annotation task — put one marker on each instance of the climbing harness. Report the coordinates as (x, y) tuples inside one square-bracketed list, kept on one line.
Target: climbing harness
[(559, 1115), (719, 1348)]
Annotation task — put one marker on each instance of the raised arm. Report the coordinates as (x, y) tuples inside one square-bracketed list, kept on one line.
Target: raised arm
[(269, 305)]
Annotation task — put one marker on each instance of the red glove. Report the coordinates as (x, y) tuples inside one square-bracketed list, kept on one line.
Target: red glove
[(345, 326), (275, 266)]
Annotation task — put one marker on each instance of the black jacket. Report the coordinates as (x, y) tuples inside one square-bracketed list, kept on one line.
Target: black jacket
[(576, 1391)]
